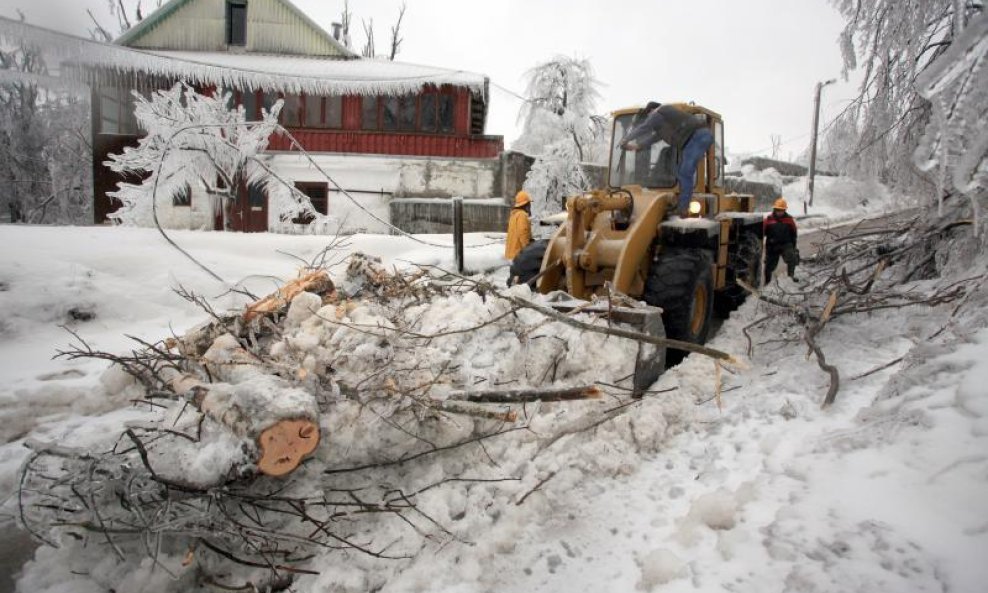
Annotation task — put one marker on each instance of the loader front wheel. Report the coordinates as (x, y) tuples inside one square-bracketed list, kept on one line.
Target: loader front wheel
[(680, 282), (528, 263)]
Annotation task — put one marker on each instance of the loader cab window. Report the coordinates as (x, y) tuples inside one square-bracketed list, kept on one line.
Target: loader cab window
[(654, 167)]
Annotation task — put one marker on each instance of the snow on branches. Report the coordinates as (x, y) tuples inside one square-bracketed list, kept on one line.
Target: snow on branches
[(561, 129), (426, 390), (893, 47), (192, 141), (956, 141)]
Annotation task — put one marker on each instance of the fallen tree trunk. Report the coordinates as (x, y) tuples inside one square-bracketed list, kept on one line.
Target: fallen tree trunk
[(197, 340), (317, 282), (281, 419), (520, 396)]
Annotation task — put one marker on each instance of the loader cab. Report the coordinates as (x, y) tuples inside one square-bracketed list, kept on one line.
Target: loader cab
[(656, 167)]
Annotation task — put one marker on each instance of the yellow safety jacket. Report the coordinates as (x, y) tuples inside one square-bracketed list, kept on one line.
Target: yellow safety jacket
[(519, 233)]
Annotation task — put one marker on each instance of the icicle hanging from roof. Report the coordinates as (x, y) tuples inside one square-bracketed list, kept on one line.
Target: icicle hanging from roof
[(278, 73)]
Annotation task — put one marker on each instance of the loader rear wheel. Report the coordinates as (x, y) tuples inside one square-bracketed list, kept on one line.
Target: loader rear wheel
[(680, 282), (528, 263)]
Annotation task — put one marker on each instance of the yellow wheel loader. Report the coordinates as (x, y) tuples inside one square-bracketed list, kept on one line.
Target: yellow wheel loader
[(623, 239)]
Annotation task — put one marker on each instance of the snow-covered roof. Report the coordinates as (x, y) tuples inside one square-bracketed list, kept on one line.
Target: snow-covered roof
[(284, 73), (294, 73)]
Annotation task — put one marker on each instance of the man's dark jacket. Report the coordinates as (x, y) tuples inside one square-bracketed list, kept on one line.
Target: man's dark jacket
[(668, 123), (779, 230)]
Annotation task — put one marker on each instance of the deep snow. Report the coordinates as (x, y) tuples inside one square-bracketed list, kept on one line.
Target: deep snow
[(885, 491)]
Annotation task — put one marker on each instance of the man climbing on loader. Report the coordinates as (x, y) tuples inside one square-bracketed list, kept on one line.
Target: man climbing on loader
[(680, 130)]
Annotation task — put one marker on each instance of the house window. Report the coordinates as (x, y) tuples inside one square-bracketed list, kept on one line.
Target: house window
[(445, 113), (256, 196), (389, 113), (236, 22), (269, 99), (249, 101), (318, 193), (369, 113), (291, 113), (334, 112), (429, 122), (431, 111), (117, 112), (183, 197), (407, 113), (323, 112)]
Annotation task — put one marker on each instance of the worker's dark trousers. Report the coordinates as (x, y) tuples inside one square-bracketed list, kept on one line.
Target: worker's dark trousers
[(772, 254)]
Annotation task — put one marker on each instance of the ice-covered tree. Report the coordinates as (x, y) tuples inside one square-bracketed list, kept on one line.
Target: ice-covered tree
[(192, 141), (955, 144), (45, 163), (835, 147), (891, 43), (560, 130), (127, 14)]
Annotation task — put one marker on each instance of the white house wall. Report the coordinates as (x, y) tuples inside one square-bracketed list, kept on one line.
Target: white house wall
[(373, 182), (379, 180), (199, 216)]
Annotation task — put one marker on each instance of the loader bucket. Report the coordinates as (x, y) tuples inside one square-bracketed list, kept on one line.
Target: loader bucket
[(651, 358)]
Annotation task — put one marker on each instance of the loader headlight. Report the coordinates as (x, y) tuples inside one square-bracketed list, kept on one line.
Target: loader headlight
[(695, 207)]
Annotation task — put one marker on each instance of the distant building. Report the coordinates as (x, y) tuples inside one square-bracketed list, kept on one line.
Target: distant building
[(386, 131)]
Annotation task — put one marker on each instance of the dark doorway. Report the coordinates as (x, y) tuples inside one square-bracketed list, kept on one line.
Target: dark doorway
[(105, 180), (249, 214)]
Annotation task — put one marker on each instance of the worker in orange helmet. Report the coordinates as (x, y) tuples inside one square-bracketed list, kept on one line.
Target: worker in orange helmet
[(519, 225), (780, 240)]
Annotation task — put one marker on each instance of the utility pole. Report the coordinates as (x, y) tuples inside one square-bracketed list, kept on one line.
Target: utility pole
[(816, 125)]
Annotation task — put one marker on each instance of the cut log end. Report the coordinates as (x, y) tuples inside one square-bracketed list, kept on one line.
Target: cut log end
[(284, 446)]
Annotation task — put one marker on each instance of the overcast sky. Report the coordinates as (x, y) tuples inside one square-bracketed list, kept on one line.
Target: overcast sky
[(754, 61)]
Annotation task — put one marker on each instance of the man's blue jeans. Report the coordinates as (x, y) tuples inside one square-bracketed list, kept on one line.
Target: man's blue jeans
[(694, 150)]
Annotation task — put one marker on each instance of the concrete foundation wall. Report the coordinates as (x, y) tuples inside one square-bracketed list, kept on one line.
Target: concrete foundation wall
[(416, 215)]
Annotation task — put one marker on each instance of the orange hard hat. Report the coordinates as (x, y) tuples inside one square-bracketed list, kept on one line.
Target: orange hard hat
[(780, 204), (522, 198)]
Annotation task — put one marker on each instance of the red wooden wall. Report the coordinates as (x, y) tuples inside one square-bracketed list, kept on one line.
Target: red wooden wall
[(396, 143)]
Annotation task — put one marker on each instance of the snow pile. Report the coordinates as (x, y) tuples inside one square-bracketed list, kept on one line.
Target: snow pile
[(843, 198), (835, 199), (769, 176), (387, 361), (885, 491)]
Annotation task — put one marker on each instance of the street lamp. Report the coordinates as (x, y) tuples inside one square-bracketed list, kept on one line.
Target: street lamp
[(816, 125)]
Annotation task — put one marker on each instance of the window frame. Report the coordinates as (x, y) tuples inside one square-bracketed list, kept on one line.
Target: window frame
[(186, 203), (231, 6), (119, 104), (441, 101), (305, 187)]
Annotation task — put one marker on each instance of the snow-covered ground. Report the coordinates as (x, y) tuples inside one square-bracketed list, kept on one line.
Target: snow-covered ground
[(885, 491)]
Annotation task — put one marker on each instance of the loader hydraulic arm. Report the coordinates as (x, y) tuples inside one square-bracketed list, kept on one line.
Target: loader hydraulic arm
[(583, 211)]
